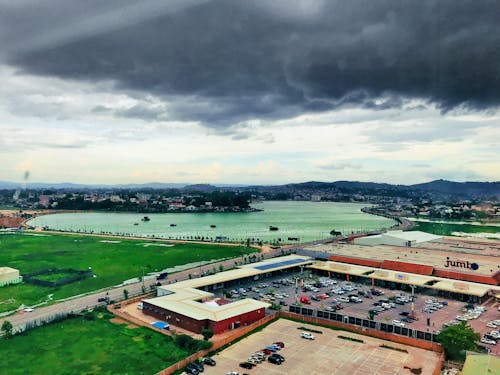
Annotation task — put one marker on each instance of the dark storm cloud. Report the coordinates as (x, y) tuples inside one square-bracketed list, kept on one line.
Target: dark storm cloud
[(224, 62)]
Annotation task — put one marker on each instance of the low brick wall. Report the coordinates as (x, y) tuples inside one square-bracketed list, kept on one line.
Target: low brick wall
[(428, 345), (439, 366), (422, 344)]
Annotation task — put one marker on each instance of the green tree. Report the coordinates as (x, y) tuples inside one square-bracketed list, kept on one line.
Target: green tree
[(456, 339), (207, 333), (7, 329)]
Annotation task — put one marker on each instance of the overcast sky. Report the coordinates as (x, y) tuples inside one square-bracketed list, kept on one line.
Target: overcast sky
[(249, 92)]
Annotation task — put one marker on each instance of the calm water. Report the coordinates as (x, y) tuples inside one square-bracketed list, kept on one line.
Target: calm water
[(305, 220)]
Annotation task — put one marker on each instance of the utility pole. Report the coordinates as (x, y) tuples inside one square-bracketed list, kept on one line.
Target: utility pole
[(412, 300)]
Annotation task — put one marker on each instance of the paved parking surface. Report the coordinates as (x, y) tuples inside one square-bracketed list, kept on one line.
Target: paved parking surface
[(327, 354), (269, 286)]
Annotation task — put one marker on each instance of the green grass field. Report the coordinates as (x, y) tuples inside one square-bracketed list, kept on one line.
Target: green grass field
[(446, 229), (79, 346), (112, 262)]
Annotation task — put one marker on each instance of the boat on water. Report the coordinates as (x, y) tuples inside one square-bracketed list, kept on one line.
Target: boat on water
[(213, 226), (136, 223), (271, 227), (145, 218), (173, 225)]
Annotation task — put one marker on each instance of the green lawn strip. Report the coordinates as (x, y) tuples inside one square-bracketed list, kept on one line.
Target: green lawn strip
[(446, 229), (79, 346), (393, 348), (112, 263), (309, 329), (351, 339)]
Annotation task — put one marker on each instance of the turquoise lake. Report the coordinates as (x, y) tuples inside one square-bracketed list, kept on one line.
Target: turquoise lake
[(304, 220)]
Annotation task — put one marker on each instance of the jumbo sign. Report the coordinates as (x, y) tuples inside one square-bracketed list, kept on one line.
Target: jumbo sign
[(461, 264)]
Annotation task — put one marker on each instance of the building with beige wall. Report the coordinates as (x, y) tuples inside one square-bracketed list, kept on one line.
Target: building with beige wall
[(9, 276)]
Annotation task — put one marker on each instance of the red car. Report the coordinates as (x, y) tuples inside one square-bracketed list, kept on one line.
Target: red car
[(280, 344), (322, 296), (305, 300), (267, 351)]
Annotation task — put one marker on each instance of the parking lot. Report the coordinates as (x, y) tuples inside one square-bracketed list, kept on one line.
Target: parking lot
[(430, 313), (326, 354)]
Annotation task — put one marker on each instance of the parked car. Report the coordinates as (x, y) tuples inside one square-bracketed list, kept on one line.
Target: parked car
[(490, 337), (247, 365), (209, 361), (274, 360), (192, 370), (488, 341), (495, 334), (280, 357), (198, 365), (280, 344), (307, 335)]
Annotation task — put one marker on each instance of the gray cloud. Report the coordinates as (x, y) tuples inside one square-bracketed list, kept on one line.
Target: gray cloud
[(340, 165), (231, 61)]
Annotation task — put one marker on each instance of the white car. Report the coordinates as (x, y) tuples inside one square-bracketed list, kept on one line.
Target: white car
[(398, 323), (29, 309), (495, 334), (307, 335), (496, 322), (491, 325), (488, 341)]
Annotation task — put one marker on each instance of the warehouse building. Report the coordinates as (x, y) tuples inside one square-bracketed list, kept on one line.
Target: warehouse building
[(450, 268), (397, 238), (191, 305), (9, 276)]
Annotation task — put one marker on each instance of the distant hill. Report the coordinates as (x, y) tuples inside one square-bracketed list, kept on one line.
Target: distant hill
[(472, 189), (442, 188)]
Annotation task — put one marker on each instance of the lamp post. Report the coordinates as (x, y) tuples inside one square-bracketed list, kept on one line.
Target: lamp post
[(412, 299)]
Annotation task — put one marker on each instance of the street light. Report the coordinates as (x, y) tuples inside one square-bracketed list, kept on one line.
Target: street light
[(412, 299)]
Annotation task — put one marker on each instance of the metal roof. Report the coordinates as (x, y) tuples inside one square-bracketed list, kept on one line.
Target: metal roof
[(185, 298), (8, 270), (271, 266), (432, 282)]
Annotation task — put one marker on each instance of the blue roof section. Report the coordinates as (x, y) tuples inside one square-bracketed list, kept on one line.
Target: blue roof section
[(290, 262), (160, 325)]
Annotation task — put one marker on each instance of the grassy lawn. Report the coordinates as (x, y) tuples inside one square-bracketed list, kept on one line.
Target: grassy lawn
[(78, 346), (446, 229), (112, 262)]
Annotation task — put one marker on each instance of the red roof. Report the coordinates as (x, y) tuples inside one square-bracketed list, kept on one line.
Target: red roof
[(352, 260), (222, 301), (491, 280), (420, 269)]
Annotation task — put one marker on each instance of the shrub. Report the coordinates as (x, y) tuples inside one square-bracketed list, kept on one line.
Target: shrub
[(207, 333)]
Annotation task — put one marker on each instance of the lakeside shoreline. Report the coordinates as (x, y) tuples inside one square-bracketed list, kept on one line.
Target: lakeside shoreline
[(298, 222)]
